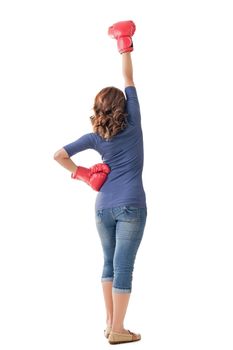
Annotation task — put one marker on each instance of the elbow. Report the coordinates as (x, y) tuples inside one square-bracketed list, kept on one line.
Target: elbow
[(61, 154), (56, 156)]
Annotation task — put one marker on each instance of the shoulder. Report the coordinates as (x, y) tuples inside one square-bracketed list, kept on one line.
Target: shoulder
[(91, 138), (84, 142), (94, 139)]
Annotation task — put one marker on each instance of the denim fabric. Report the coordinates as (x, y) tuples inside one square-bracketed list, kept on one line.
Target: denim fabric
[(120, 230)]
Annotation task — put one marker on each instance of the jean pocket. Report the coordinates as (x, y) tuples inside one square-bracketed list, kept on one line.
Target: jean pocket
[(130, 213), (98, 216)]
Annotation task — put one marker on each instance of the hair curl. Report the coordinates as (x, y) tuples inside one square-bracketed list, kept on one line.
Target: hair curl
[(109, 113)]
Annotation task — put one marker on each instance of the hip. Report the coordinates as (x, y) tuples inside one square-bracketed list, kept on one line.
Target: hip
[(127, 217)]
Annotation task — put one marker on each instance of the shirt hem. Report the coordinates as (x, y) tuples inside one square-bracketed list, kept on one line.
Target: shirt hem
[(120, 204)]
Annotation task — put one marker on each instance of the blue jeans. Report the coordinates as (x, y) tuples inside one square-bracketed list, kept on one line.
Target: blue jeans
[(120, 230)]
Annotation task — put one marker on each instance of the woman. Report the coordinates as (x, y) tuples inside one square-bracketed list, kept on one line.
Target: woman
[(121, 204)]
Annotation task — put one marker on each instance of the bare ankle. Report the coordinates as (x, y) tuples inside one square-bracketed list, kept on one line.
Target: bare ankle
[(109, 322), (118, 329)]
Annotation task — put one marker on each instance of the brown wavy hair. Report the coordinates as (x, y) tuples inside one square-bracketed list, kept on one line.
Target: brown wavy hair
[(109, 112)]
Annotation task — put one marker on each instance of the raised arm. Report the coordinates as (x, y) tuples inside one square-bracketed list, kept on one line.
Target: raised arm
[(127, 69), (123, 32)]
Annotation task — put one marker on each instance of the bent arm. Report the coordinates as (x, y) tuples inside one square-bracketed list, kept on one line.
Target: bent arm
[(62, 157), (127, 69)]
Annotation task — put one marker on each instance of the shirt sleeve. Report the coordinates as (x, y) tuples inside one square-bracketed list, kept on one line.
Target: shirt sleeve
[(84, 142), (132, 106)]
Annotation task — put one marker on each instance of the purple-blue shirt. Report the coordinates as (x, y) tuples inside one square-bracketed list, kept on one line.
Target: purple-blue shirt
[(124, 154)]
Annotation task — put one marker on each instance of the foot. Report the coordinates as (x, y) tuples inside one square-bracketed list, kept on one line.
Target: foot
[(123, 337)]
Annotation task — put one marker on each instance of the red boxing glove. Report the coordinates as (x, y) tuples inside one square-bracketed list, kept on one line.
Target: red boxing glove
[(123, 32), (94, 177), (100, 167), (97, 180)]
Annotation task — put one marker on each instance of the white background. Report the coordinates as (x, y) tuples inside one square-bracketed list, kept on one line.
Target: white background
[(55, 56)]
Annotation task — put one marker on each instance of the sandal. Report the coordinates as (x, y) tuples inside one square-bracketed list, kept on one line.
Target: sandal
[(107, 331), (120, 338)]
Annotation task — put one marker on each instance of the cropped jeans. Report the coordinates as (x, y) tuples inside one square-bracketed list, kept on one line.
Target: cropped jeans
[(121, 231)]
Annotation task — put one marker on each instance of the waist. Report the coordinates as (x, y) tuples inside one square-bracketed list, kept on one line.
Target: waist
[(109, 198)]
